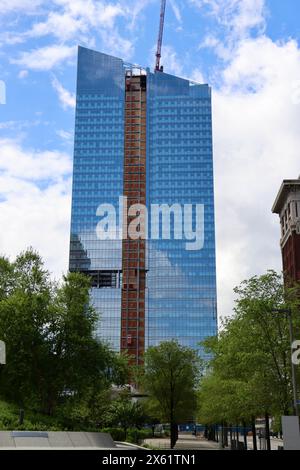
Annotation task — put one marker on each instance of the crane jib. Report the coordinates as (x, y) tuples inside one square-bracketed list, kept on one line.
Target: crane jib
[(158, 68)]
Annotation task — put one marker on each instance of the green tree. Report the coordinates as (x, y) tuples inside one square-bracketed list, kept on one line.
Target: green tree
[(250, 371), (125, 413), (80, 362), (24, 311), (53, 356), (171, 374)]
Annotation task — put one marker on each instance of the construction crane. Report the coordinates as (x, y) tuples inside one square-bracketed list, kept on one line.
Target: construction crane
[(158, 67)]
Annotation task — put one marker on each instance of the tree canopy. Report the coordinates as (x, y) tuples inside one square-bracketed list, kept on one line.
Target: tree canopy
[(250, 371), (49, 330), (171, 376)]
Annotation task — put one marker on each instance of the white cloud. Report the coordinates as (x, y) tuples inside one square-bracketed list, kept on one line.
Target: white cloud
[(17, 126), (8, 124), (218, 45), (170, 60), (65, 135), (238, 15), (134, 10), (250, 14), (257, 140), (32, 215), (93, 12), (12, 6), (32, 165), (66, 98), (11, 38), (176, 10), (45, 58), (116, 45), (235, 19), (76, 17), (197, 76), (72, 22), (62, 26), (23, 74)]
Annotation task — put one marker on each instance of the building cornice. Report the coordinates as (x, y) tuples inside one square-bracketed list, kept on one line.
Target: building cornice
[(287, 187)]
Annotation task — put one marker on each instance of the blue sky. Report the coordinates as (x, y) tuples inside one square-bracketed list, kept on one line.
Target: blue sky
[(248, 50)]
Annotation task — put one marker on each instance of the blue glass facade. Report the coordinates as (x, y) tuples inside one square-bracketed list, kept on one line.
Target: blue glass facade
[(98, 178), (181, 284)]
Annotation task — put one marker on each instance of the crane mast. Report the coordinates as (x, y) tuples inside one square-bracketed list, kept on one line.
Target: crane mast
[(158, 67)]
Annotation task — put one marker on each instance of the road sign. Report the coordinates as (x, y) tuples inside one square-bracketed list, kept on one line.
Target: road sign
[(2, 353)]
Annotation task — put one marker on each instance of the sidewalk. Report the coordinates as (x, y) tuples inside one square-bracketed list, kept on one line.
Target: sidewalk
[(275, 443), (189, 442), (185, 442)]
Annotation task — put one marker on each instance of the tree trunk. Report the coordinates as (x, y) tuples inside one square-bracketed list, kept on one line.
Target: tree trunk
[(174, 434), (245, 436), (268, 439), (226, 434), (222, 435)]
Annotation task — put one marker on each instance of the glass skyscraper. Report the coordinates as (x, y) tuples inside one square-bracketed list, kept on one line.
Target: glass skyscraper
[(146, 136)]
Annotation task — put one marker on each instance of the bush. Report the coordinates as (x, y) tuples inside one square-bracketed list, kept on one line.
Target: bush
[(9, 420), (118, 434), (134, 436), (8, 416), (34, 421), (29, 426)]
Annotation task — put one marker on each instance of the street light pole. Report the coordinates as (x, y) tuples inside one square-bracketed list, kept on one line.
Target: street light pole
[(294, 375), (2, 353)]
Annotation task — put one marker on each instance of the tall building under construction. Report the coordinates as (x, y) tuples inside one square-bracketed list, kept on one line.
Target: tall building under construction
[(145, 137)]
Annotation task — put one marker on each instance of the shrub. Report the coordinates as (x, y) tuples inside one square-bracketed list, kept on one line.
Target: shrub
[(134, 436), (118, 434)]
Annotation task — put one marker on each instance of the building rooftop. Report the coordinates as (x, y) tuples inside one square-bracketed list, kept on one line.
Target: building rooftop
[(286, 187)]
